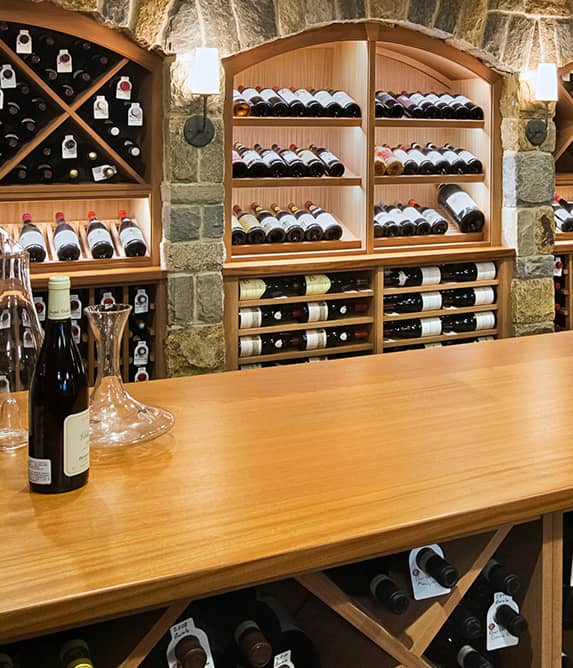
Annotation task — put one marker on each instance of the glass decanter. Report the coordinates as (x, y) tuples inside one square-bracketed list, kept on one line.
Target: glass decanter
[(116, 418)]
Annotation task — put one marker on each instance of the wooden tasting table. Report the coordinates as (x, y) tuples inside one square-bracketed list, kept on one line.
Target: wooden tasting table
[(278, 471)]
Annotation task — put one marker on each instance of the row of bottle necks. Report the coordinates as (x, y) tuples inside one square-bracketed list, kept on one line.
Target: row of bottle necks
[(66, 240), (254, 629), (327, 102), (140, 329), (315, 161)]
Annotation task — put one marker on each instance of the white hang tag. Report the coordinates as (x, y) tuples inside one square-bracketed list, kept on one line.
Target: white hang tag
[(186, 628), (4, 384), (1, 99), (75, 307), (141, 302), (40, 305), (7, 77), (423, 585), (141, 375), (135, 115), (64, 62), (69, 148), (557, 267), (76, 332), (25, 318), (283, 660), (101, 172), (28, 338), (24, 42), (141, 354), (5, 319), (101, 108), (123, 89), (498, 637), (107, 299)]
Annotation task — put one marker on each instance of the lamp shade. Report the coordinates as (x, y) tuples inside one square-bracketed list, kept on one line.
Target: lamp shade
[(204, 77), (546, 82)]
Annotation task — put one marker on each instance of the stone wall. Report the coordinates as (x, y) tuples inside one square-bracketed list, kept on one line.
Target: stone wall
[(509, 35)]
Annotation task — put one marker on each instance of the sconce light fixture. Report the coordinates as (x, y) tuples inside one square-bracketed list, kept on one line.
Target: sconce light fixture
[(203, 81), (545, 91)]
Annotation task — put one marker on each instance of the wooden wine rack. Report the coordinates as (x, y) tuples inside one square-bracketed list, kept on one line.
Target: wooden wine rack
[(564, 127)]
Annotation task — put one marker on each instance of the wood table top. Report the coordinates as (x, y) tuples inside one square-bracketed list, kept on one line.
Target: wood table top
[(276, 471)]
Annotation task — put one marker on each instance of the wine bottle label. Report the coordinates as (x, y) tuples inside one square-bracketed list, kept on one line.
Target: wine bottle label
[(270, 158), (64, 62), (400, 154), (462, 99), (459, 201), (485, 320), (326, 220), (417, 98), (235, 156), (382, 217), (283, 660), (248, 221), (65, 238), (75, 307), (431, 326), (451, 156), (434, 157), (103, 172), (98, 235), (107, 299), (304, 96), (498, 637), (317, 311), (485, 271), (269, 95), (40, 305), (432, 98), (290, 157), (307, 156), (323, 97), (467, 156), (484, 296), (417, 156), (306, 219), (5, 319), (251, 157), (432, 216), (69, 148), (76, 443), (423, 585), (252, 288), (249, 93), (383, 153), (288, 96), (250, 317), (181, 630), (130, 234), (448, 99), (39, 471), (431, 275), (289, 222), (141, 354), (431, 301), (32, 238), (1, 99), (269, 223), (25, 317), (328, 157), (558, 266), (7, 77), (343, 99), (317, 284), (135, 115), (76, 332), (250, 345), (123, 89), (141, 302), (315, 339), (101, 108), (24, 42)]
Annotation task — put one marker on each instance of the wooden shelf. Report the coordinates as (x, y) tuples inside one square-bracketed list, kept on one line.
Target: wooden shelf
[(295, 122), (441, 312), (343, 244), (296, 354), (563, 179), (302, 182), (355, 294), (441, 286), (301, 326), (400, 343), (433, 123), (429, 240), (429, 178)]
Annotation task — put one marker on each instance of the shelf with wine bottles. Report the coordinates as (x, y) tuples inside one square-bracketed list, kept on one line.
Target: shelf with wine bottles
[(295, 122), (564, 125), (388, 317), (423, 179), (355, 294), (302, 182), (430, 123)]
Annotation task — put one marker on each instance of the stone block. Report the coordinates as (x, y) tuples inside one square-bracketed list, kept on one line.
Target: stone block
[(183, 223), (256, 21), (116, 12), (194, 256), (518, 46), (181, 159), (212, 156), (528, 178), (513, 136), (180, 299), (209, 298), (495, 34), (79, 5), (532, 328), (530, 230), (548, 7), (193, 193), (195, 349), (290, 16), (219, 24), (534, 266), (347, 10), (422, 12), (532, 300), (544, 230), (320, 11), (388, 9), (471, 22), (150, 21), (448, 15), (506, 5), (564, 37), (213, 222)]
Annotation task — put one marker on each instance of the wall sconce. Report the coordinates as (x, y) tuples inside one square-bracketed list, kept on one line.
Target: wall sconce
[(203, 81), (546, 92)]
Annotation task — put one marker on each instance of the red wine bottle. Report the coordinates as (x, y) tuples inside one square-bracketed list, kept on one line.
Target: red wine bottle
[(407, 276), (32, 239), (59, 403), (501, 578), (254, 230), (293, 229), (413, 302), (312, 229), (131, 237), (330, 226), (413, 329), (99, 238), (471, 271), (66, 240)]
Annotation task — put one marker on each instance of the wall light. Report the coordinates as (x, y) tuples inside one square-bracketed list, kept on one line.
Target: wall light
[(203, 81), (546, 92)]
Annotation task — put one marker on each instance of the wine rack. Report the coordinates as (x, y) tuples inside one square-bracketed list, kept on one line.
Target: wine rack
[(562, 285), (564, 124)]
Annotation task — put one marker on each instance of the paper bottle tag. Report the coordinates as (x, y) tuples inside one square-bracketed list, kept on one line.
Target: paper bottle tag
[(28, 338), (24, 316), (141, 354), (24, 42), (101, 108), (103, 172), (69, 148), (107, 299), (123, 89), (64, 62), (557, 267), (1, 99), (423, 585), (40, 305), (76, 332), (75, 307), (141, 375), (182, 629), (5, 319), (135, 115), (141, 302), (496, 636), (283, 660), (7, 77)]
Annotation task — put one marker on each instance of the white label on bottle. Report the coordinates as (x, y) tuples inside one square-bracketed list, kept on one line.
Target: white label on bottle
[(307, 220), (417, 98), (250, 317), (39, 471), (289, 222), (444, 97), (462, 99), (423, 585), (270, 158), (304, 96), (129, 234), (141, 354), (75, 307), (317, 284), (24, 42), (268, 94), (431, 97), (101, 108), (270, 223), (497, 636), (7, 77), (431, 275), (252, 288), (326, 220), (251, 157), (431, 326), (123, 89), (486, 271), (40, 305), (431, 301), (307, 156), (77, 443), (324, 97), (76, 332), (485, 320), (69, 148), (31, 238), (432, 216), (317, 311), (187, 628), (328, 157), (103, 172), (417, 156), (98, 235), (141, 374), (288, 96), (467, 156), (65, 238), (557, 267), (484, 296), (315, 338), (248, 93), (5, 319), (135, 115), (459, 201), (283, 660), (250, 345), (343, 98), (64, 62), (141, 302)]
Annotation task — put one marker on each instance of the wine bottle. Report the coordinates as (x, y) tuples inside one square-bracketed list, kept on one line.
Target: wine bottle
[(312, 229), (6, 661), (441, 164), (240, 169), (43, 173), (443, 109), (464, 622), (238, 233), (255, 233), (331, 228), (385, 162), (66, 240), (314, 165), (309, 284), (421, 101), (256, 167), (241, 106), (410, 107), (130, 148), (274, 162), (413, 302), (413, 329), (500, 578), (278, 107), (330, 106), (295, 166), (457, 164), (421, 223), (295, 106), (384, 224), (99, 238), (391, 107), (349, 106), (371, 578), (468, 322), (475, 111), (424, 164), (274, 231), (294, 230), (58, 403), (111, 129), (563, 216), (448, 650), (470, 271), (468, 297), (407, 276), (459, 110), (461, 207), (314, 339), (75, 653), (19, 174), (131, 236), (429, 561), (259, 106), (480, 598), (263, 344), (32, 239), (409, 165), (322, 311), (406, 227), (333, 165), (312, 106), (471, 164), (264, 316), (438, 224)]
